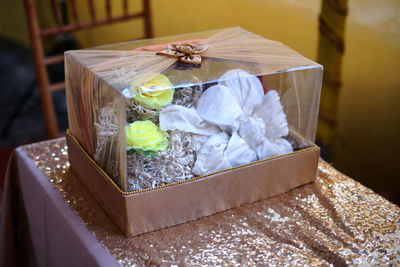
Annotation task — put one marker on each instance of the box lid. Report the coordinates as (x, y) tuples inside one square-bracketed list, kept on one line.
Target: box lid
[(127, 66)]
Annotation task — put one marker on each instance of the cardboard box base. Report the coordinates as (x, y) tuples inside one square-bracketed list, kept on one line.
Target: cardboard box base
[(141, 212)]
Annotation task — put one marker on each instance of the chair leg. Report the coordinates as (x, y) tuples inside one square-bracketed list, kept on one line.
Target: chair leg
[(41, 72), (148, 26)]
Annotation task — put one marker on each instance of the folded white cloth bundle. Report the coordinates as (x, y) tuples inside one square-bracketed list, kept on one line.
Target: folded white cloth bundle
[(176, 117), (222, 152), (243, 124)]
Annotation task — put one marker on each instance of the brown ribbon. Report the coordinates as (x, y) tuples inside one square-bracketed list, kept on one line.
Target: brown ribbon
[(186, 53)]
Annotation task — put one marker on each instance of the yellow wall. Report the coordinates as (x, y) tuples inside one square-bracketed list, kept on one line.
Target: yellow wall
[(369, 110), (275, 19)]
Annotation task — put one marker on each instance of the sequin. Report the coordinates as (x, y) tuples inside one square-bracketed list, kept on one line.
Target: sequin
[(335, 221)]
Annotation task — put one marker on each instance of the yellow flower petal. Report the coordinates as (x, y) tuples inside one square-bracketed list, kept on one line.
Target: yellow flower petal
[(153, 93), (145, 135)]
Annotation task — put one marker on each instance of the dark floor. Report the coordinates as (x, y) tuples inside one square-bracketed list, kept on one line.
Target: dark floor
[(21, 119)]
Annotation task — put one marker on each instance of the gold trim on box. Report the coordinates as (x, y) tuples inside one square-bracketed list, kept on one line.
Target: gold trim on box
[(181, 182)]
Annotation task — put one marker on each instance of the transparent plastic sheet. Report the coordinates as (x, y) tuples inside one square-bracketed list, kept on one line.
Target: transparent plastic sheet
[(101, 83), (127, 68), (300, 93), (96, 112)]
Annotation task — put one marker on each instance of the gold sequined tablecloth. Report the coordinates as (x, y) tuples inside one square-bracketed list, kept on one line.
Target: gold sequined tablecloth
[(335, 221)]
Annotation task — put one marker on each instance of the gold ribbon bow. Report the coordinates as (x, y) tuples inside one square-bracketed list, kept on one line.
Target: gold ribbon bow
[(186, 53)]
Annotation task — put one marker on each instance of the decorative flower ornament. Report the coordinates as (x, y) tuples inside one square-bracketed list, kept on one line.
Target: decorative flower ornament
[(186, 53), (145, 136), (153, 94)]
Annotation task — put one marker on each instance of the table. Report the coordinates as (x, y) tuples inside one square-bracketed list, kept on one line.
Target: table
[(50, 219)]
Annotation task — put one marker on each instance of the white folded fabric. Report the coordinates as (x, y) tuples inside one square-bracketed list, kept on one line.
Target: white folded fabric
[(271, 111), (218, 106), (238, 151), (246, 88), (273, 148), (178, 117), (211, 156), (222, 152), (252, 130), (243, 124)]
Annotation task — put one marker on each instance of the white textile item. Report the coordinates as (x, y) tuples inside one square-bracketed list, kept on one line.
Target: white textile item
[(246, 88), (178, 117), (210, 158), (252, 130), (272, 113), (238, 152), (273, 148), (243, 124), (217, 105), (222, 152)]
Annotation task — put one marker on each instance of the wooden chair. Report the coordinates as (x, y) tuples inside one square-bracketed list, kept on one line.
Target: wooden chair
[(41, 62)]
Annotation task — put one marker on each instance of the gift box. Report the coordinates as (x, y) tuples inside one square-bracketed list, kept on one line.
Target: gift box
[(168, 130)]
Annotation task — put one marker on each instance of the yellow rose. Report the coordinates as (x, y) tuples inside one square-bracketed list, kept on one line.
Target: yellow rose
[(153, 94), (145, 136)]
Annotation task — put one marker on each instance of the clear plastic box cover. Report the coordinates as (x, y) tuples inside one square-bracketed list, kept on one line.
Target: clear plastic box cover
[(159, 111)]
